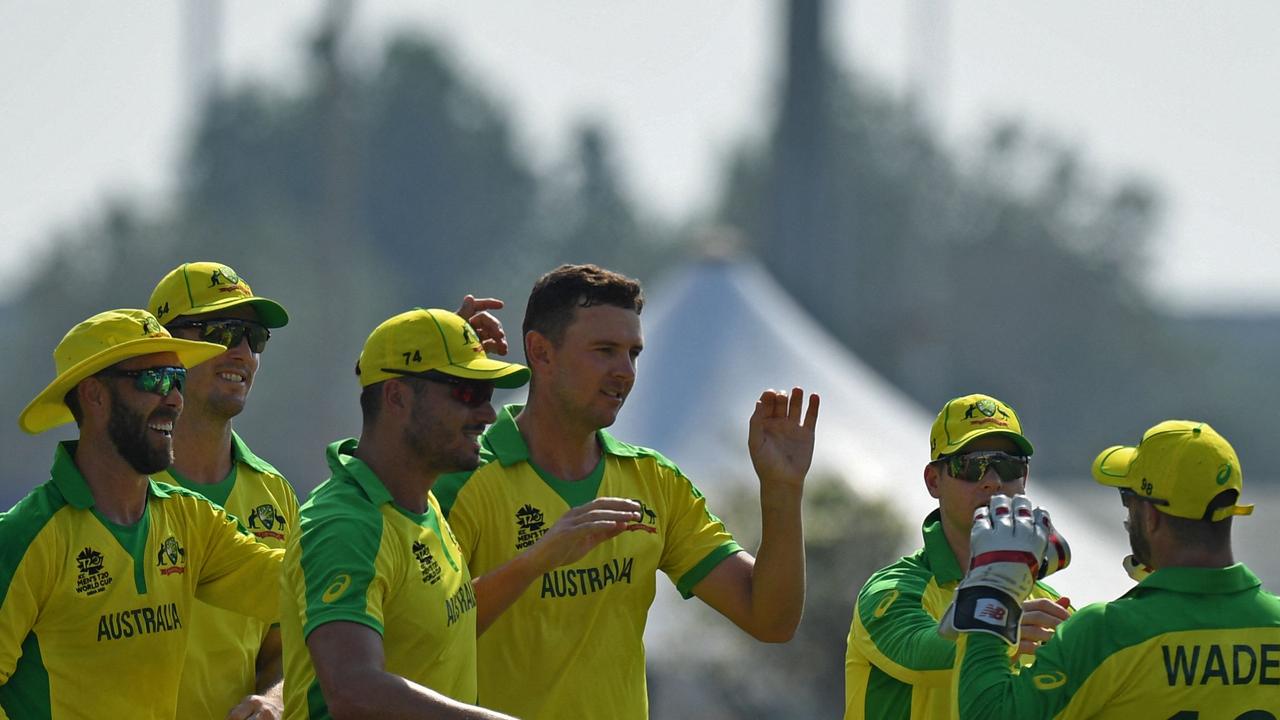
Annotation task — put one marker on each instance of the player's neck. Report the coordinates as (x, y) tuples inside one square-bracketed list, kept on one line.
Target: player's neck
[(119, 492), (958, 540), (398, 468), (202, 447), (557, 445)]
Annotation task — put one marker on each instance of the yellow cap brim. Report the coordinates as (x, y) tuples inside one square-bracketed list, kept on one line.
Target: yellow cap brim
[(1111, 467), (501, 374), (48, 409)]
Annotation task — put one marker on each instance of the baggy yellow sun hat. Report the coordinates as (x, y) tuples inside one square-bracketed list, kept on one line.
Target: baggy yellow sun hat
[(968, 417), (96, 344), (1180, 466), (420, 340), (203, 287)]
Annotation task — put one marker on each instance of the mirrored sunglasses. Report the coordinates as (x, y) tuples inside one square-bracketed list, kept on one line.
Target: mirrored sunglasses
[(472, 393), (971, 466), (158, 380), (228, 332)]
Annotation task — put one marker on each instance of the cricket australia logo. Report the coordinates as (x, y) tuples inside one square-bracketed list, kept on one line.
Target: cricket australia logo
[(469, 338), (430, 568), (648, 519), (530, 525), (151, 327), (987, 409), (227, 281), (266, 521), (93, 577), (172, 558)]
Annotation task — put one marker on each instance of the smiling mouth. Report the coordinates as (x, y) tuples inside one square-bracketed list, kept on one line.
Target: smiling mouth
[(232, 376), (164, 428)]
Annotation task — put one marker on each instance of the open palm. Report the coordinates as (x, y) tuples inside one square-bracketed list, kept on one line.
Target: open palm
[(781, 444)]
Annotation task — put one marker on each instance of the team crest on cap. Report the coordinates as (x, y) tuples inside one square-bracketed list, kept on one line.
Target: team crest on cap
[(266, 517), (172, 558), (530, 525), (227, 281), (93, 577), (988, 409), (151, 327)]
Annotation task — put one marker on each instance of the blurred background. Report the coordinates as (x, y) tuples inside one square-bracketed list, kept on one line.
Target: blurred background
[(1072, 208)]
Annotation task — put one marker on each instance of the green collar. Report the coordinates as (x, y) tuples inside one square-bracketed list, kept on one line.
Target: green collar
[(1203, 581), (344, 464), (942, 560), (66, 477), (504, 440), (241, 453)]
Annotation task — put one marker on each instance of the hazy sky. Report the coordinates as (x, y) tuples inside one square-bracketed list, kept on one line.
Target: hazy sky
[(93, 98)]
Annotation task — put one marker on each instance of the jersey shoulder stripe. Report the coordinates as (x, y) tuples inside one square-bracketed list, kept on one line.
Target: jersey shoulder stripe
[(20, 526)]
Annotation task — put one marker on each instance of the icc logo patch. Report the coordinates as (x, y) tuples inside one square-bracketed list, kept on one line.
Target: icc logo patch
[(93, 577), (430, 568), (172, 558), (530, 525), (266, 521)]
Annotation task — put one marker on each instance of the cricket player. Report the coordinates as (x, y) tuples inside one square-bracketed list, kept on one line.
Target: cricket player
[(101, 566), (897, 666), (379, 616), (234, 666), (571, 643), (1197, 638)]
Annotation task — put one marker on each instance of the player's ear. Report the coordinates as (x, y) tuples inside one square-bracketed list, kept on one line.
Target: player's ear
[(537, 348), (397, 396), (931, 477)]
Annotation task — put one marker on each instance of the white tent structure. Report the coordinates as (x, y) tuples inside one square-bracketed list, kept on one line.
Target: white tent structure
[(718, 332)]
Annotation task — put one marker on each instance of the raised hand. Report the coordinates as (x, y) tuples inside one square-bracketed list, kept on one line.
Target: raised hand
[(488, 329), (781, 444), (578, 531)]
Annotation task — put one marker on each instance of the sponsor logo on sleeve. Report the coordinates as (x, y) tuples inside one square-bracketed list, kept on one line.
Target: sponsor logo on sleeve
[(336, 588)]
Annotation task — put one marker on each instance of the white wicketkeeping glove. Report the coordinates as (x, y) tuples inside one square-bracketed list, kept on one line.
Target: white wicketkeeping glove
[(1007, 547)]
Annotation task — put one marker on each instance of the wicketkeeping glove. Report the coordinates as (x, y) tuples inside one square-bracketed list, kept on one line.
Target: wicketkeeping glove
[(1007, 547), (1057, 553)]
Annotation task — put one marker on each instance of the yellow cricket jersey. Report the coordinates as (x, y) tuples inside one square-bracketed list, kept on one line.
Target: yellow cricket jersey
[(359, 557), (1185, 644), (896, 665), (222, 647), (572, 645), (94, 616)]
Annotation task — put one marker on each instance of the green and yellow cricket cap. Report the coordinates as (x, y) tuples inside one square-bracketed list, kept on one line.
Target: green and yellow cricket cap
[(96, 344), (965, 418), (198, 288), (420, 340), (1182, 465)]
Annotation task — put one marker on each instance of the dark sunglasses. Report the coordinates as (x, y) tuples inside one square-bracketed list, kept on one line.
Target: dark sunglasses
[(158, 380), (472, 393), (1126, 494), (970, 467), (228, 332)]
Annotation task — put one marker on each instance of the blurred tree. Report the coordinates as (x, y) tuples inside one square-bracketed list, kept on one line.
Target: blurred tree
[(1011, 271), (726, 674)]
